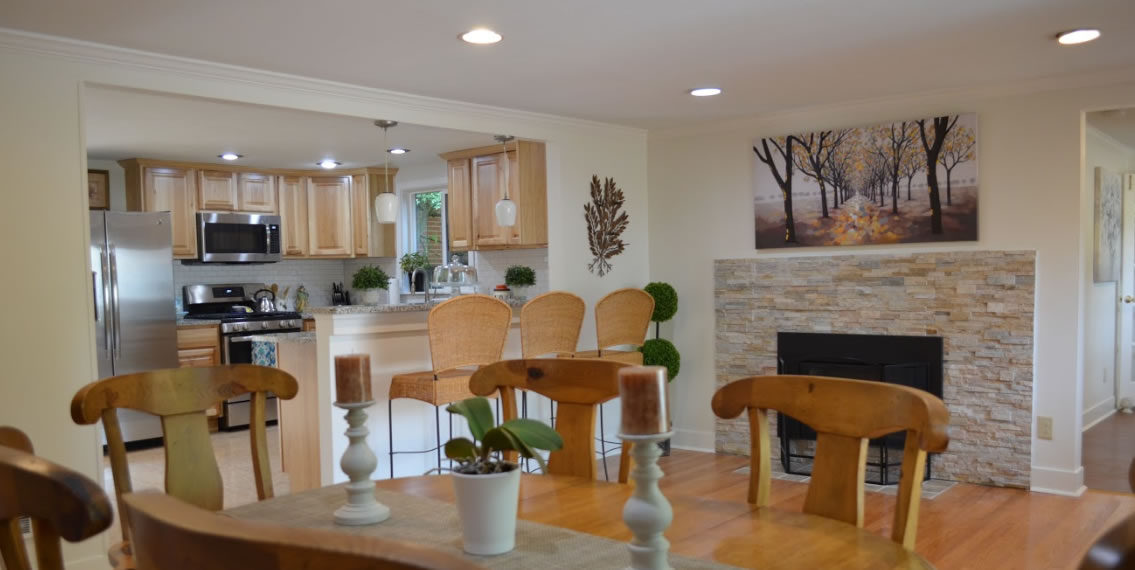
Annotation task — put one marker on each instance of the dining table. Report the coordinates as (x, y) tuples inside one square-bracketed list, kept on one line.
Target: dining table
[(572, 522)]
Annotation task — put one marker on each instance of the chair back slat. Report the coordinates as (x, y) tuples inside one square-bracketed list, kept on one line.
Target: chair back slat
[(622, 317), (192, 473), (550, 324), (578, 386), (169, 533), (845, 414), (60, 503), (469, 330)]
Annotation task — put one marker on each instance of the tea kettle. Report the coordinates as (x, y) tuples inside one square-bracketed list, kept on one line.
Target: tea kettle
[(264, 303)]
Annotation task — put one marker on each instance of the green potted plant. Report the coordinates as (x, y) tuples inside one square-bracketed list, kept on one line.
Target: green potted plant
[(411, 261), (659, 351), (370, 279), (519, 278), (488, 486)]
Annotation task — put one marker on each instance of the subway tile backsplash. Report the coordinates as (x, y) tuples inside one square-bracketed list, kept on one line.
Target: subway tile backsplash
[(491, 266)]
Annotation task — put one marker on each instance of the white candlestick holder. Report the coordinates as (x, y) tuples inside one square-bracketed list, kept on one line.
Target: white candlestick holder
[(358, 463), (647, 512)]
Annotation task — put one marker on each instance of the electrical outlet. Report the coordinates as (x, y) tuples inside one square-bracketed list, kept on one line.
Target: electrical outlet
[(1044, 427)]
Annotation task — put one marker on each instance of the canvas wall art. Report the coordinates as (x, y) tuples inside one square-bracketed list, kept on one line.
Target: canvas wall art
[(902, 182), (1109, 225)]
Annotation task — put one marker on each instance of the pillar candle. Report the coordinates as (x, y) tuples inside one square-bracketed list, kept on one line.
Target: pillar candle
[(645, 396), (352, 378)]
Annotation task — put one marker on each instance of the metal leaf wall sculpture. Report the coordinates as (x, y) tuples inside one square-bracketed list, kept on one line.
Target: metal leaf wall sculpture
[(605, 223)]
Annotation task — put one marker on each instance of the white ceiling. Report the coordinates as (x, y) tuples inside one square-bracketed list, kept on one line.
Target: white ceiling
[(1119, 124), (128, 124), (624, 61)]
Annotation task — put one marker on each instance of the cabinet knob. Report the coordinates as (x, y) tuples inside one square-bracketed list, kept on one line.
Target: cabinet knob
[(1128, 299)]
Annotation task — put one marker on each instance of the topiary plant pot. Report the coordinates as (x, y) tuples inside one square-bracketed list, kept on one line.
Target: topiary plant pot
[(372, 296), (487, 506)]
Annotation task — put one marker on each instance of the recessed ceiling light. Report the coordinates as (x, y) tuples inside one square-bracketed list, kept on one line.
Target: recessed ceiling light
[(1081, 36), (481, 36), (328, 163), (705, 91), (230, 156), (398, 150)]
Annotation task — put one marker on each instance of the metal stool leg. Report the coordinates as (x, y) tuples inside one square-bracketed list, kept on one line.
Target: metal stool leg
[(390, 433), (437, 432)]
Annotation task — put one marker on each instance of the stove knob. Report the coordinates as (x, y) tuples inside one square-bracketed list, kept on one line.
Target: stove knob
[(293, 324), (239, 327)]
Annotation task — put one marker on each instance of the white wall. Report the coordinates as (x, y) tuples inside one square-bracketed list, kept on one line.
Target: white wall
[(47, 335), (1031, 156), (1100, 365)]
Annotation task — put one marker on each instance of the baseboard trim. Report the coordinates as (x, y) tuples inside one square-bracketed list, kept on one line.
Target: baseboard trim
[(1057, 481), (693, 440), (98, 562), (1099, 413)]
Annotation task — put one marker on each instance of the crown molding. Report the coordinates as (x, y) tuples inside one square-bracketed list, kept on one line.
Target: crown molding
[(19, 41), (1048, 83)]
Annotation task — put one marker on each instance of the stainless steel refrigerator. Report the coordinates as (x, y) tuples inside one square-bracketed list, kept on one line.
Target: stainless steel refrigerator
[(135, 324)]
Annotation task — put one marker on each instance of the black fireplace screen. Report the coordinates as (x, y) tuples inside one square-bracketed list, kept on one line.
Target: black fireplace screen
[(907, 360)]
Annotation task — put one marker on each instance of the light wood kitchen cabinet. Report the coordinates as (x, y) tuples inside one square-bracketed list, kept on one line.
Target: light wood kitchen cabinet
[(476, 184), (156, 188), (293, 215), (460, 212), (256, 193), (371, 239), (329, 230), (200, 347), (216, 190)]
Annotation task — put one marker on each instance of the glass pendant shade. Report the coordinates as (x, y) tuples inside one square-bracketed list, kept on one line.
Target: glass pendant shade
[(386, 208), (506, 212)]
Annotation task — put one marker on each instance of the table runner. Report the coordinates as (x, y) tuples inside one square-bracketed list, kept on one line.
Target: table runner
[(436, 524)]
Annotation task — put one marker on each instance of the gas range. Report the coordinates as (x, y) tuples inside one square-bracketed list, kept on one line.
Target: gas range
[(253, 322), (232, 304)]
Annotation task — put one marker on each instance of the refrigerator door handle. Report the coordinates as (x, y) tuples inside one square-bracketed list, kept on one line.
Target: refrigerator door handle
[(114, 296), (107, 325)]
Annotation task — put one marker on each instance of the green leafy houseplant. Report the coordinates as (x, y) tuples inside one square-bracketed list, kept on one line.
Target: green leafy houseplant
[(370, 277), (519, 276), (415, 260), (484, 454)]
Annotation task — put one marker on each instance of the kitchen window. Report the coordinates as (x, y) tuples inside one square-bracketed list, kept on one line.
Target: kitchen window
[(427, 224)]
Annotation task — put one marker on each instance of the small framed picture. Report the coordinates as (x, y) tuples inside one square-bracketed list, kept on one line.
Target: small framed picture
[(98, 189)]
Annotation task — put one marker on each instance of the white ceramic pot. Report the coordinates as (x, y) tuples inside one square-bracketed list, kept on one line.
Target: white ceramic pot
[(487, 505), (372, 296)]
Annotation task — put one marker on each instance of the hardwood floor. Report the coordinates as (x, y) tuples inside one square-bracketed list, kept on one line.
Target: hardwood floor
[(968, 526), (1108, 448)]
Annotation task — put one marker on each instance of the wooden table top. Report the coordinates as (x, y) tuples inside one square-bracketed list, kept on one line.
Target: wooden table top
[(734, 533)]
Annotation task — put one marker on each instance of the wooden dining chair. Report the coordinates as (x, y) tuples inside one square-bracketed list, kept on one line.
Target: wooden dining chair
[(845, 414), (465, 333), (60, 503), (181, 397), (577, 386), (171, 534)]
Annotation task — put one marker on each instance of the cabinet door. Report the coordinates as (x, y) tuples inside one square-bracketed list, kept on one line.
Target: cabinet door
[(256, 193), (174, 190), (460, 212), (293, 215), (488, 189), (216, 190), (329, 216), (197, 357), (360, 219)]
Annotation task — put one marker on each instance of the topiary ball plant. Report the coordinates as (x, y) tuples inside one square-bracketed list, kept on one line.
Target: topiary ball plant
[(661, 352), (665, 301), (370, 277), (519, 276)]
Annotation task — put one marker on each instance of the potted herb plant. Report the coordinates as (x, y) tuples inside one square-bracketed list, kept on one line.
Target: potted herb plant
[(488, 486), (659, 351), (412, 261), (519, 278), (370, 279)]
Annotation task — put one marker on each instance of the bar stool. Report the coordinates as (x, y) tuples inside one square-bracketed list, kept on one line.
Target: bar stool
[(622, 318), (465, 333), (550, 326)]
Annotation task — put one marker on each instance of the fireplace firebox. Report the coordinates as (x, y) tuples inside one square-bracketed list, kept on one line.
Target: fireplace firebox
[(914, 361)]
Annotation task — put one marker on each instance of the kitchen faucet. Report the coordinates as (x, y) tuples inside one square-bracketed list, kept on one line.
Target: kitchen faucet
[(414, 279)]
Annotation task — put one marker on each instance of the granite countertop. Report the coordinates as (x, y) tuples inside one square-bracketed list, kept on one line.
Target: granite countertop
[(184, 322), (308, 336), (403, 308)]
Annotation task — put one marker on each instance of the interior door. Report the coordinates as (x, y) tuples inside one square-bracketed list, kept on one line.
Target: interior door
[(1125, 386)]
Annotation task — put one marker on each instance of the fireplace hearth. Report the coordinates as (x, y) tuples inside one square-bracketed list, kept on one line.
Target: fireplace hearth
[(914, 361)]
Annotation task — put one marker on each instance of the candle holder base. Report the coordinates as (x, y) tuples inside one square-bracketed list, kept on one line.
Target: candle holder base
[(358, 463), (647, 513)]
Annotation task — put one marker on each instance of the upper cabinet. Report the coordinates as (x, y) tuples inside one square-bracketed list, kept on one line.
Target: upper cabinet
[(477, 183), (256, 193), (157, 188), (216, 190), (293, 215), (329, 231), (371, 238)]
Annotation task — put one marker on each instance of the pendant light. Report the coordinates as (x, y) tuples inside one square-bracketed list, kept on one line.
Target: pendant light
[(505, 209), (386, 203)]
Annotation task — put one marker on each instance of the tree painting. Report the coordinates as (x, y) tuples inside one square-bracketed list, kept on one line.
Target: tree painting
[(844, 186)]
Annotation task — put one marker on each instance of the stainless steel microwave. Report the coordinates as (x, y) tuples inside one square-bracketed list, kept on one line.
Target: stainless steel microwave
[(238, 238)]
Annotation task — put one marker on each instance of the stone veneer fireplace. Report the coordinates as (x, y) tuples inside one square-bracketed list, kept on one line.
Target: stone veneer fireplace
[(980, 303)]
